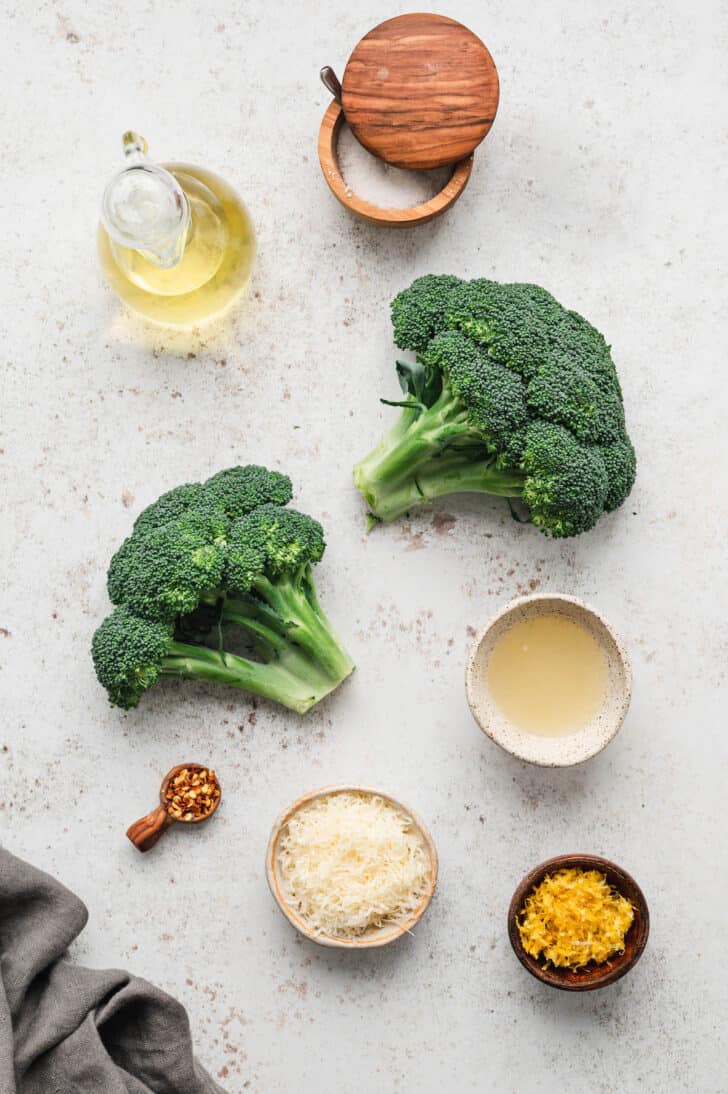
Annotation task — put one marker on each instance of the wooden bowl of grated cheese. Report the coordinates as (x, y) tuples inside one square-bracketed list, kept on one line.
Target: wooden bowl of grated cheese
[(578, 922), (351, 867)]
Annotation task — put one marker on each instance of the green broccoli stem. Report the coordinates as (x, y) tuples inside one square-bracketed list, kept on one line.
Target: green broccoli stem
[(415, 439), (286, 612), (450, 473), (290, 680), (393, 437)]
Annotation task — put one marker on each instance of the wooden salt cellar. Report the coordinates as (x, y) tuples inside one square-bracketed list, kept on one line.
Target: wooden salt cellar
[(419, 91)]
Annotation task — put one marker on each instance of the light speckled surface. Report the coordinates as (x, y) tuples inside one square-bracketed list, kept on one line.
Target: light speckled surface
[(604, 179)]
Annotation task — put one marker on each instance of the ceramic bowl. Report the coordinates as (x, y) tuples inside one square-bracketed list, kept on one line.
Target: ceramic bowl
[(377, 936), (592, 976), (569, 749)]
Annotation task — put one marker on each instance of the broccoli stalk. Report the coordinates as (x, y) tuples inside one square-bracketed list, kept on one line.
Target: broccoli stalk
[(412, 465), (290, 630), (131, 654), (286, 614), (292, 679), (302, 659)]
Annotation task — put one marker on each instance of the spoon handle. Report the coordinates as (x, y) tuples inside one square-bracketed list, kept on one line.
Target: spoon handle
[(145, 832)]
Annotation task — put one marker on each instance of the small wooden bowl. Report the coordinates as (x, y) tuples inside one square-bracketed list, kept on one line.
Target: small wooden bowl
[(380, 936), (547, 751), (145, 832), (592, 976), (375, 214)]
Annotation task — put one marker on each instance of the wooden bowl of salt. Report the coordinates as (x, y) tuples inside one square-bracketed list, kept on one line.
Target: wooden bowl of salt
[(419, 94)]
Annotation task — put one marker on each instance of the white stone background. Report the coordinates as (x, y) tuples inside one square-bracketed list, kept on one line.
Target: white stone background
[(604, 179)]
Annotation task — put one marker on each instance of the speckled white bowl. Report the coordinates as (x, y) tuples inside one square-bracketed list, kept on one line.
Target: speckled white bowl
[(570, 749), (376, 937)]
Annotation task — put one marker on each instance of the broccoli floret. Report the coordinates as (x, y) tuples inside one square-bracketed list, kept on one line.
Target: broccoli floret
[(163, 572), (620, 462), (484, 394), (270, 584), (241, 490), (514, 322), (235, 491), (510, 394), (170, 506), (202, 560), (269, 543), (421, 311), (566, 482), (564, 392), (128, 655), (283, 539)]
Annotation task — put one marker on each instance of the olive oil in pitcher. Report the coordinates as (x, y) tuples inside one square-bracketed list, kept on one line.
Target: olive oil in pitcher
[(176, 242)]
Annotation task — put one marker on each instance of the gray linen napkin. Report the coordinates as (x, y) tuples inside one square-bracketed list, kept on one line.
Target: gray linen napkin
[(70, 1030)]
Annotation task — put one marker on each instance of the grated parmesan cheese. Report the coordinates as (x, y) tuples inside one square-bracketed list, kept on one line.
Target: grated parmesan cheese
[(351, 862), (574, 917)]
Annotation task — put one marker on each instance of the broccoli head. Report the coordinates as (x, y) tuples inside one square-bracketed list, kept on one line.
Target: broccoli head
[(164, 571), (212, 559), (271, 542), (510, 394), (129, 654)]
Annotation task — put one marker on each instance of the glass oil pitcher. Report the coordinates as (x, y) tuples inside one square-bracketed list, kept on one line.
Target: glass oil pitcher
[(176, 242)]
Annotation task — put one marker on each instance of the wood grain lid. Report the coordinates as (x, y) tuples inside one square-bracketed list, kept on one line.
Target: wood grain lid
[(420, 91)]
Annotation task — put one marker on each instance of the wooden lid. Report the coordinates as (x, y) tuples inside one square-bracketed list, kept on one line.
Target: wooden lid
[(420, 91)]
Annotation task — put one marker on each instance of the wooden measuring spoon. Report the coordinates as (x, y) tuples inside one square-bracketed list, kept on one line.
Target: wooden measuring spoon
[(145, 832)]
